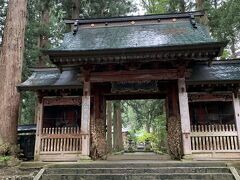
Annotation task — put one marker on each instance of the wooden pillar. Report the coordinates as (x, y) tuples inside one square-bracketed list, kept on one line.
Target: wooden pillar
[(236, 106), (174, 134), (85, 119), (39, 121), (184, 115)]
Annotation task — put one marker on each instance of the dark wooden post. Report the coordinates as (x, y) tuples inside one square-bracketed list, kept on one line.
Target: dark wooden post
[(173, 122), (85, 119), (185, 118)]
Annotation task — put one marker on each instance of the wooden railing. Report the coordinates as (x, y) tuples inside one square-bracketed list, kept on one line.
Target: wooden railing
[(66, 139), (214, 138)]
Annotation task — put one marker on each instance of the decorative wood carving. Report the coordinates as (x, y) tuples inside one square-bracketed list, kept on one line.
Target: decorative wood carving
[(209, 97), (62, 101), (134, 86), (140, 55), (137, 75)]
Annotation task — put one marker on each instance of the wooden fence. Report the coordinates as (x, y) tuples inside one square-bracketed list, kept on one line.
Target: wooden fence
[(214, 138), (66, 139)]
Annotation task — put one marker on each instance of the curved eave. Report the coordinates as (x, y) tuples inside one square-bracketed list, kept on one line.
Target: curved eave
[(219, 72), (21, 88), (52, 79), (205, 82), (217, 45), (199, 51)]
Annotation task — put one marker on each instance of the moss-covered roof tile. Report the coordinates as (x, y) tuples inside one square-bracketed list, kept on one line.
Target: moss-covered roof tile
[(167, 33)]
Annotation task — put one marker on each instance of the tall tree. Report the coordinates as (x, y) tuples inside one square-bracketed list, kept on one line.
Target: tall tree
[(117, 127), (200, 4), (225, 23), (146, 113), (155, 6), (182, 6), (163, 6), (76, 8), (98, 8), (109, 126), (11, 69), (44, 29)]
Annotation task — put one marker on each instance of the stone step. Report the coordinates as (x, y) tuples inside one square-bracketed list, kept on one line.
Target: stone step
[(16, 177), (136, 164), (138, 156), (138, 170), (142, 176)]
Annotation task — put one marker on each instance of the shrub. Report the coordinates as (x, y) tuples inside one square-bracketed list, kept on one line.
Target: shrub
[(5, 149)]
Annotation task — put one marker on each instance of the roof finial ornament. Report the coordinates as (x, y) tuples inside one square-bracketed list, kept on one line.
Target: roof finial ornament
[(76, 26), (193, 21)]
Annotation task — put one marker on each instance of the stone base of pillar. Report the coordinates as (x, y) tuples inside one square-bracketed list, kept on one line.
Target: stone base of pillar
[(187, 157), (84, 158)]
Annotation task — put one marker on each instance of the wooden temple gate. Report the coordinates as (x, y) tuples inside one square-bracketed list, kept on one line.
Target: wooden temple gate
[(172, 50)]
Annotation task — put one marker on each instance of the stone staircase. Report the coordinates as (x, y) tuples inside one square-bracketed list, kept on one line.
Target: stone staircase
[(137, 170), (139, 156)]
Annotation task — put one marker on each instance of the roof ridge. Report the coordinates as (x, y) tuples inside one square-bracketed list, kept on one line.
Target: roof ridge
[(135, 18)]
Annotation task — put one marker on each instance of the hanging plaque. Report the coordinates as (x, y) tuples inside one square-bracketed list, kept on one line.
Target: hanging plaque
[(134, 86)]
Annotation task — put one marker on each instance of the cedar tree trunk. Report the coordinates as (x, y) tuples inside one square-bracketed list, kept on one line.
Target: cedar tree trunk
[(109, 126), (117, 127), (11, 69), (75, 9), (43, 37), (200, 7)]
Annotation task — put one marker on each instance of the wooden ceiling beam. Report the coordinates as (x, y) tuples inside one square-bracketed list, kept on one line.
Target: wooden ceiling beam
[(137, 75)]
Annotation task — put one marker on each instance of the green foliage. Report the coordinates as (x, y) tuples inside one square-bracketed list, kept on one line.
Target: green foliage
[(166, 6), (7, 149), (138, 114), (146, 120), (3, 13), (101, 8), (155, 6), (225, 54), (4, 158), (28, 108), (142, 136), (225, 23)]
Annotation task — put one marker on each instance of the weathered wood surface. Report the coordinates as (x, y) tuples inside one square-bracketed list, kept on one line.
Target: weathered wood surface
[(65, 139), (137, 75), (54, 101), (39, 119), (184, 114), (236, 107), (11, 69), (174, 133), (200, 97), (86, 115), (214, 138)]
